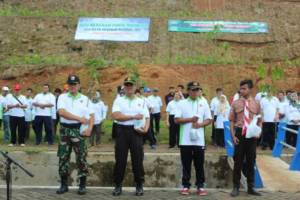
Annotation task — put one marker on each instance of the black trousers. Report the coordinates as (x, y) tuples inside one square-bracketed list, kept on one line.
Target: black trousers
[(128, 139), (114, 130), (39, 121), (150, 136), (291, 138), (245, 150), (197, 155), (17, 123), (268, 134), (173, 132), (27, 130), (219, 135), (155, 118), (213, 131)]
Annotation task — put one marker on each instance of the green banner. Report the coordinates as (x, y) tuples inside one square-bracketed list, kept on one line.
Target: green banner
[(217, 26)]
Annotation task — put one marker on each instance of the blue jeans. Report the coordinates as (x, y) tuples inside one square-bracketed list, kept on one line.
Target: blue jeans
[(6, 128)]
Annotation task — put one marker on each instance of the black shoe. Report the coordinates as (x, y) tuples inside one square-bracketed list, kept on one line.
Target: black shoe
[(63, 186), (139, 190), (235, 192), (117, 191), (82, 186), (253, 192)]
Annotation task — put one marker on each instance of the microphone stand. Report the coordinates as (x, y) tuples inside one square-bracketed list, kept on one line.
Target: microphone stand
[(8, 172)]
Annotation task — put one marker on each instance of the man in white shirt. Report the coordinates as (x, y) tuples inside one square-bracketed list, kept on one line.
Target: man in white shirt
[(150, 136), (5, 95), (270, 116), (44, 105), (100, 110), (260, 95), (156, 103), (283, 103), (28, 113), (173, 127), (17, 104), (132, 123), (213, 106), (192, 115), (292, 113), (76, 123)]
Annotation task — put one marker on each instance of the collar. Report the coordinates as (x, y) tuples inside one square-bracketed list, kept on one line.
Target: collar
[(130, 99), (193, 100), (78, 95)]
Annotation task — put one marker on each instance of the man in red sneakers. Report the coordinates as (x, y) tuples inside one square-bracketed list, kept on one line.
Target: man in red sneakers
[(193, 115)]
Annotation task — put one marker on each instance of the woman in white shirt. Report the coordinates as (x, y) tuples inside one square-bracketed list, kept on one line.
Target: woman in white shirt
[(292, 113), (222, 112), (173, 127)]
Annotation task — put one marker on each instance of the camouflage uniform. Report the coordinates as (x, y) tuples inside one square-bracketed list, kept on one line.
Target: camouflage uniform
[(70, 138)]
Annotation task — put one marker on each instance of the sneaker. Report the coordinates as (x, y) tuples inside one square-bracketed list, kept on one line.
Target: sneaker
[(11, 145), (22, 145), (201, 192), (185, 191), (153, 147)]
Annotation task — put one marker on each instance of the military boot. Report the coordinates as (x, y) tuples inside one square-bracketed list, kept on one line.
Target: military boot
[(82, 186), (63, 185)]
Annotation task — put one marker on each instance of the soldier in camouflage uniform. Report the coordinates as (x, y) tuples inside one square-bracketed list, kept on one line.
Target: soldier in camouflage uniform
[(75, 112)]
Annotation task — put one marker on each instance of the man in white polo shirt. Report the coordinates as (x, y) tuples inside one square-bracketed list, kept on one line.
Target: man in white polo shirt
[(76, 123), (17, 103), (270, 115), (192, 115), (44, 103), (132, 118), (156, 103)]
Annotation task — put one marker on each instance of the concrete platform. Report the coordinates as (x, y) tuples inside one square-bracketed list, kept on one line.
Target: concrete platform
[(276, 174)]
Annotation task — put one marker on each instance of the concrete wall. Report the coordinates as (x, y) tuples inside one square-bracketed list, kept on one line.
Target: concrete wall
[(161, 170)]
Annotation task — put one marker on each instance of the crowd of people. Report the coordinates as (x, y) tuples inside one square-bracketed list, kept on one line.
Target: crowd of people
[(136, 115), (22, 113)]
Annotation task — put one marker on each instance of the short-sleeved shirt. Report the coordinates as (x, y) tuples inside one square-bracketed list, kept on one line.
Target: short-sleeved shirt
[(78, 105), (214, 105), (156, 103), (146, 102), (42, 98), (12, 100), (237, 111), (189, 108), (269, 107), (4, 104), (172, 107), (282, 110), (99, 110), (130, 107), (292, 113)]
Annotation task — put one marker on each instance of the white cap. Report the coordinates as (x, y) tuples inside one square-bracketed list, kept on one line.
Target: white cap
[(5, 88)]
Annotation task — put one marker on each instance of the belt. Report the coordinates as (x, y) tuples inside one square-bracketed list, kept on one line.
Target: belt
[(72, 126), (125, 126)]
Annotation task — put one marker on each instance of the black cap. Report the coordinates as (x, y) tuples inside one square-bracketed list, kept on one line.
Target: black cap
[(193, 85), (73, 79), (129, 80)]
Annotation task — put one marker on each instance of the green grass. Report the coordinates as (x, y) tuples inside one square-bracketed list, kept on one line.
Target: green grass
[(162, 138)]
